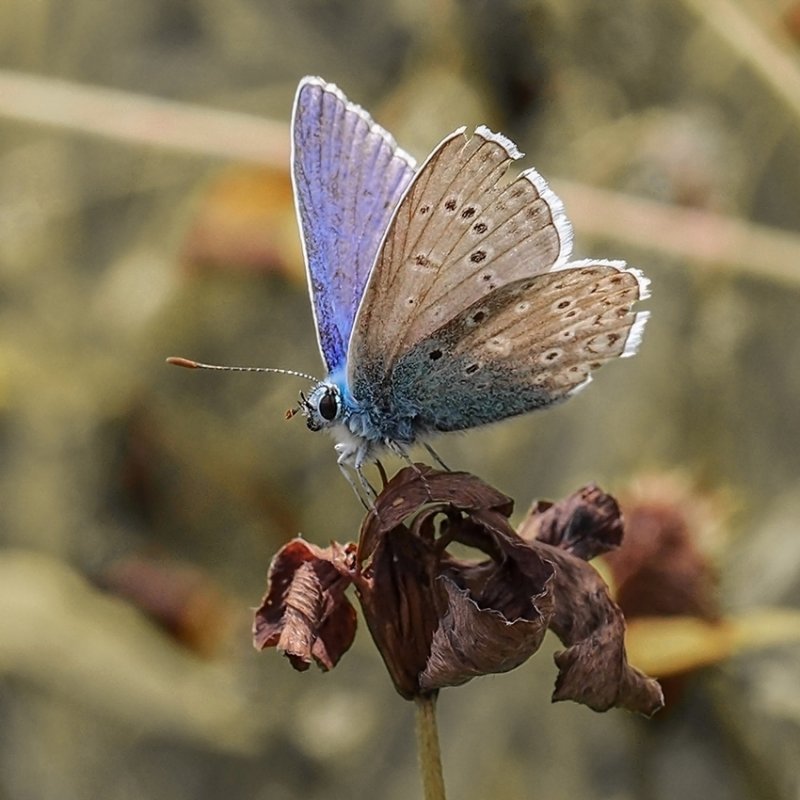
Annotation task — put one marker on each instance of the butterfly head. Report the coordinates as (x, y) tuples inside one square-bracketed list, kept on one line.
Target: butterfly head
[(323, 407)]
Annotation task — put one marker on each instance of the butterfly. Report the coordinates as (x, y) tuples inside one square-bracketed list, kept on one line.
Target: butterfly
[(443, 297)]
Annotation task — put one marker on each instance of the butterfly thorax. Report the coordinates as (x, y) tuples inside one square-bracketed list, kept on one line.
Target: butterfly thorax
[(360, 428)]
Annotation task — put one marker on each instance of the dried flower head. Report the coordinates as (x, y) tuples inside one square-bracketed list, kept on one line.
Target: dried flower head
[(440, 619)]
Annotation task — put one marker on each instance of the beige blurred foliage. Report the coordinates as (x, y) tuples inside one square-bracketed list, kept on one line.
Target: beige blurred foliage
[(145, 211), (75, 641)]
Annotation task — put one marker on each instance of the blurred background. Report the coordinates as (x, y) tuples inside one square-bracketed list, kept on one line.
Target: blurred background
[(146, 211)]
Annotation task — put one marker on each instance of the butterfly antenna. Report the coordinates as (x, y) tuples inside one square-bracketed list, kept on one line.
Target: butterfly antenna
[(188, 363)]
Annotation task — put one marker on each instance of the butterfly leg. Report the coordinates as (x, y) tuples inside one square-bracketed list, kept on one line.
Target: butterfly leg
[(401, 451), (368, 488), (348, 457), (345, 470), (435, 456)]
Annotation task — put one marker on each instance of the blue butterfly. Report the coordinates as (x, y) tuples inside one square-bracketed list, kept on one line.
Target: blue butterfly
[(443, 297)]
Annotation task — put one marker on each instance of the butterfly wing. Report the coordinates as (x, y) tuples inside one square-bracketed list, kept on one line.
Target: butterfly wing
[(459, 233), (472, 312), (526, 345), (348, 176)]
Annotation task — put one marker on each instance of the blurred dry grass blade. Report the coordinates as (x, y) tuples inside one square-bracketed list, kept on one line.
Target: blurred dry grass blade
[(777, 69), (705, 238), (143, 119)]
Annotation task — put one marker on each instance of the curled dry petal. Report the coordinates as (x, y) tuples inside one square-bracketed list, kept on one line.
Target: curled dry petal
[(440, 621), (422, 632), (594, 669), (496, 644), (413, 487), (586, 524), (399, 600), (305, 613)]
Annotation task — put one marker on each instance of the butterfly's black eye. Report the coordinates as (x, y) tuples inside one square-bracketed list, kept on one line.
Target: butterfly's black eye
[(328, 406)]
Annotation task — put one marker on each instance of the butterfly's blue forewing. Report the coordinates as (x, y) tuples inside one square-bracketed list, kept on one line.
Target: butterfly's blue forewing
[(348, 176)]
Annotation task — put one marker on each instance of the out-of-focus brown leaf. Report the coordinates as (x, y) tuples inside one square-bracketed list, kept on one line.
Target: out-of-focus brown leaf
[(661, 569), (674, 646), (663, 572), (181, 598), (246, 221)]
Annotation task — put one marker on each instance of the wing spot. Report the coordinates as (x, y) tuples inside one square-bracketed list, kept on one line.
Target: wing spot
[(410, 301), (552, 355), (468, 213), (435, 355), (480, 227), (597, 344), (478, 317), (563, 303), (472, 368), (424, 209), (450, 204), (499, 344), (477, 257), (570, 314), (522, 307), (421, 260), (487, 276)]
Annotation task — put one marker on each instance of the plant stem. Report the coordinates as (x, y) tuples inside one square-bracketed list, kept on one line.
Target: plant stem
[(430, 758)]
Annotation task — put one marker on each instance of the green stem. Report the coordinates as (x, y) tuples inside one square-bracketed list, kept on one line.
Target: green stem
[(430, 758)]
